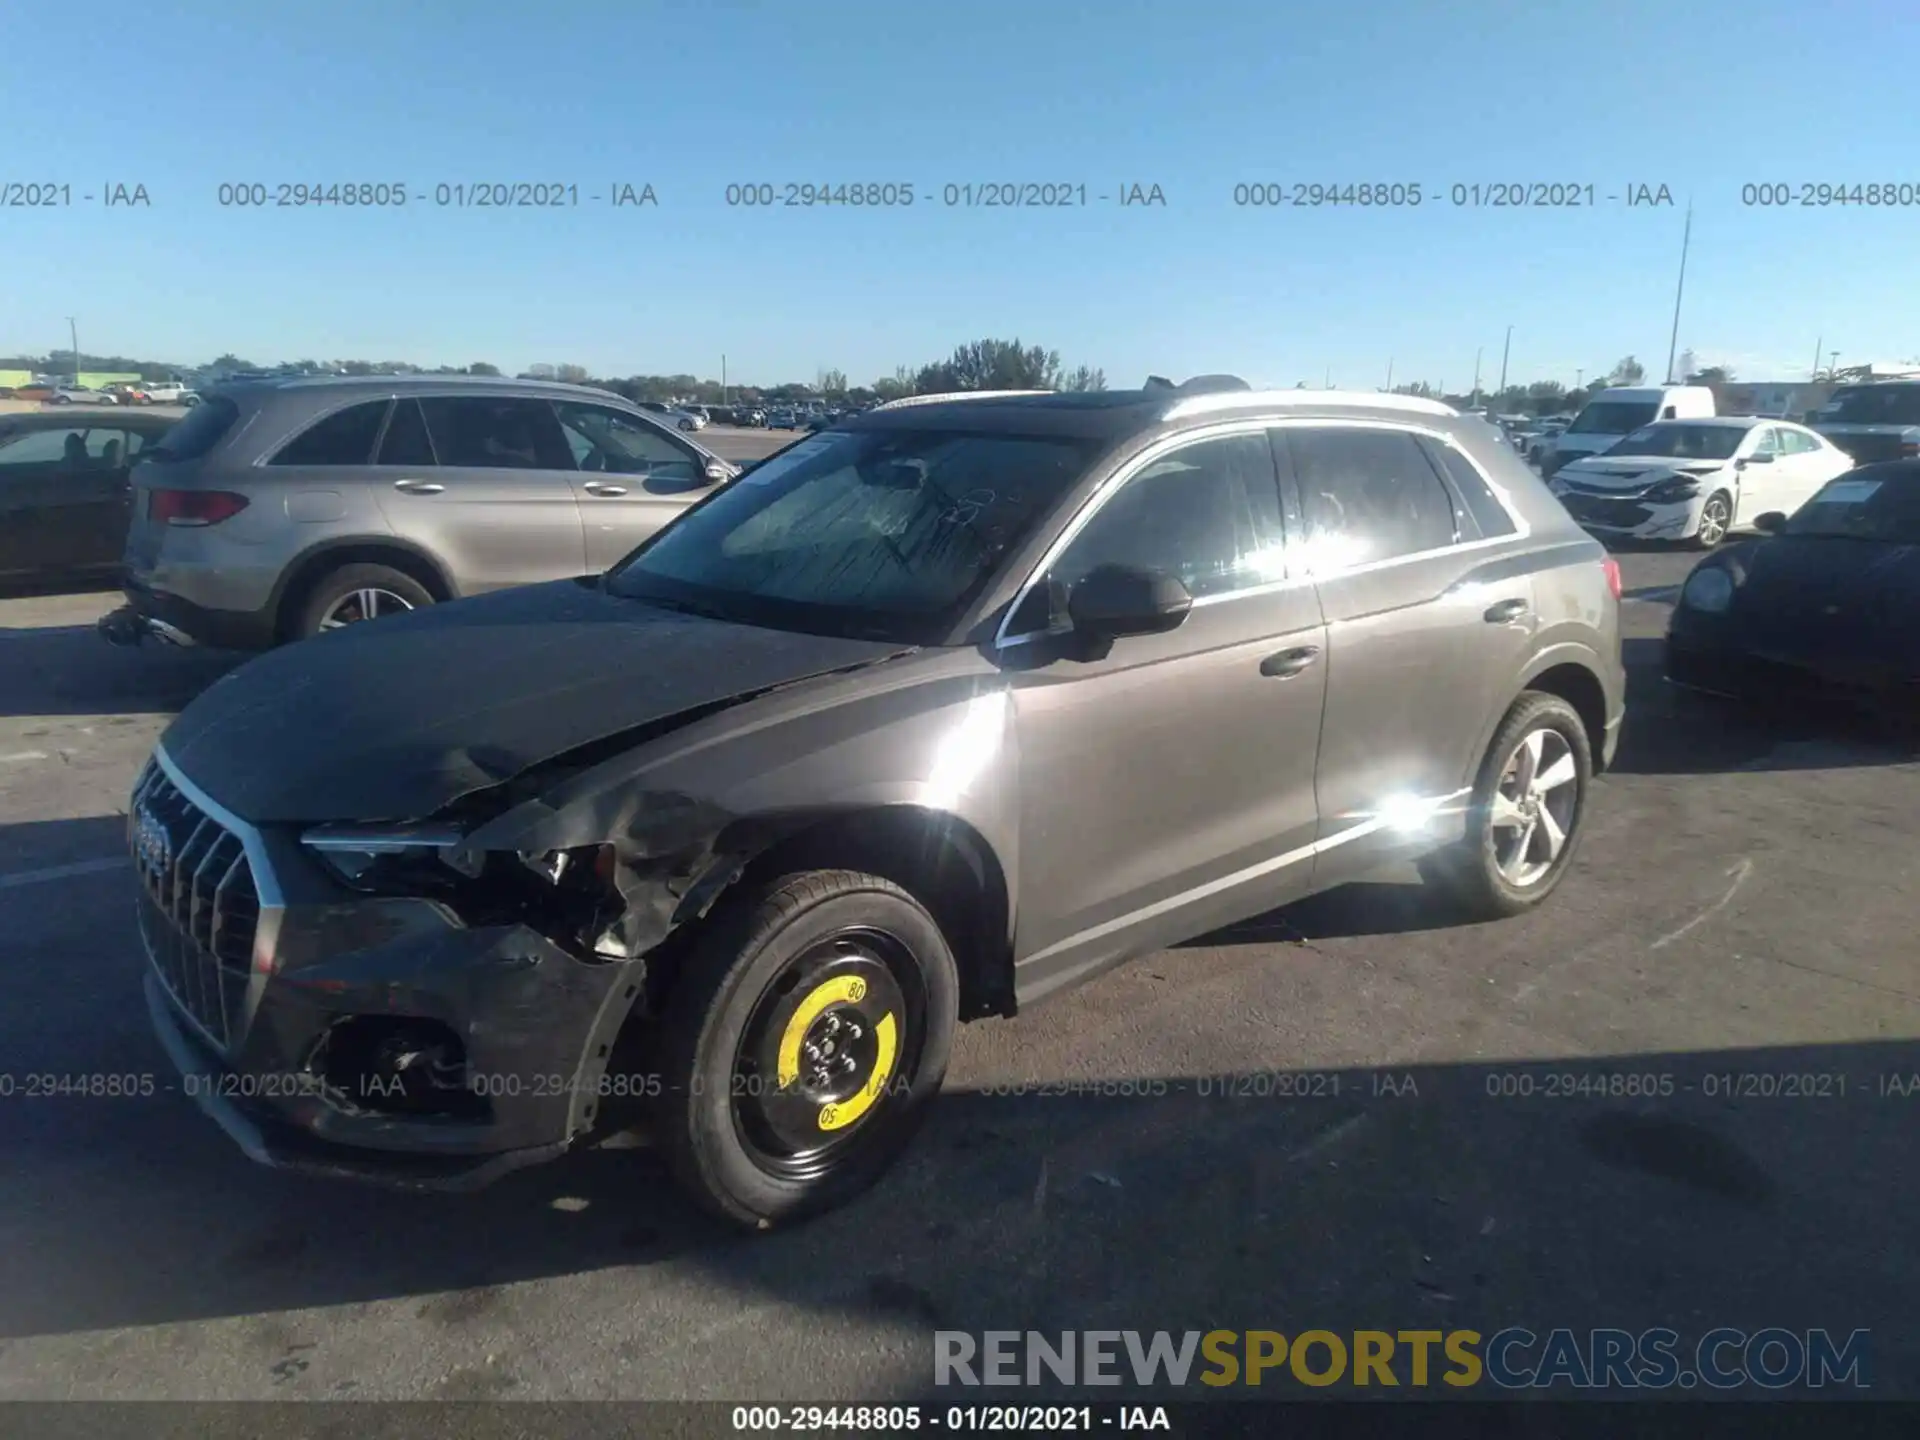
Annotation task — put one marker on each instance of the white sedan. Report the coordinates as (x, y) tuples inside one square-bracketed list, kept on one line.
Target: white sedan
[(1695, 480)]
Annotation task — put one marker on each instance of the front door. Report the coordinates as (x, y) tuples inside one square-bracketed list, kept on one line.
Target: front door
[(1167, 784), (1766, 477), (631, 478)]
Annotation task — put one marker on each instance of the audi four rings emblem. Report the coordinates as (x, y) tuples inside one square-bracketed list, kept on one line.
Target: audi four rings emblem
[(151, 842)]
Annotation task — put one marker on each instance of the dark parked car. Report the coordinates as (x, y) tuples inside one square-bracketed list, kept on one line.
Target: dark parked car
[(1872, 422), (921, 720), (1826, 604), (64, 490)]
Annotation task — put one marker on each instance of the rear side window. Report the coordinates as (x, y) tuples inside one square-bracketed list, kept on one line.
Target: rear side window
[(1489, 516), (344, 438), (406, 441), (199, 430), (496, 432), (1366, 495)]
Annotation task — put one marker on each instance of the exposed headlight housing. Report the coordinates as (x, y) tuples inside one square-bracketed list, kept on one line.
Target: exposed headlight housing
[(1708, 590), (1674, 489), (352, 851)]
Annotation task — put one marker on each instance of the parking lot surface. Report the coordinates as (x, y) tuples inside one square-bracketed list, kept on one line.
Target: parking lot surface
[(1739, 908)]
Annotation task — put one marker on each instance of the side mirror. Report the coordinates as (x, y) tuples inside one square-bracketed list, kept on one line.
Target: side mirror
[(1770, 523), (1114, 600), (717, 471)]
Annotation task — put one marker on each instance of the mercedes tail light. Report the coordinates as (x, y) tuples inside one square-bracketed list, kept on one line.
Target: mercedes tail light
[(193, 507)]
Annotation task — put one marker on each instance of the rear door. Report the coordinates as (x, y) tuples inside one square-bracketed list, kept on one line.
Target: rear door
[(102, 506), (62, 499), (483, 482), (1428, 625), (1813, 462), (631, 478)]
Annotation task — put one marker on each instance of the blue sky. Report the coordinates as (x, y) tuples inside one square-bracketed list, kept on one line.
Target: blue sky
[(1196, 98)]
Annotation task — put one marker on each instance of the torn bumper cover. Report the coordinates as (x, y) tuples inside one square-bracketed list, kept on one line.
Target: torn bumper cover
[(377, 1037)]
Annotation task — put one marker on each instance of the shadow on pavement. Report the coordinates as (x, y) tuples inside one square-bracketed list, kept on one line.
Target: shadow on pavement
[(1669, 731), (1628, 1190), (70, 670)]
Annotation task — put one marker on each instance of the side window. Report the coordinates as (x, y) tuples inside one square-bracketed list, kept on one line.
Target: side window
[(606, 442), (1799, 442), (406, 441), (344, 438), (106, 449), (1208, 513), (1768, 443), (1488, 515), (496, 432), (45, 447), (1366, 495), (136, 442)]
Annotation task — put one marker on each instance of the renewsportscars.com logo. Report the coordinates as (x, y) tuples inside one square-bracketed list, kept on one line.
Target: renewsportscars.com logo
[(1512, 1359)]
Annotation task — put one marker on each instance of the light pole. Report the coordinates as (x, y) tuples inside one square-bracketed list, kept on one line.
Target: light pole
[(1475, 400), (73, 334), (1673, 340), (1833, 364), (1389, 375), (1505, 350), (1814, 374)]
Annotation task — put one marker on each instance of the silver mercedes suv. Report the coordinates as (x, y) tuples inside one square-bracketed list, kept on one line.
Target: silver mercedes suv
[(280, 508), (931, 715)]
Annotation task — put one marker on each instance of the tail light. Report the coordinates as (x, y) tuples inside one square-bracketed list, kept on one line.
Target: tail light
[(1610, 567), (1909, 450), (193, 507)]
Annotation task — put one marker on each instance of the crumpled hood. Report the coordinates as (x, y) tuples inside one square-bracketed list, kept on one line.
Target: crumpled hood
[(394, 719), (1632, 472)]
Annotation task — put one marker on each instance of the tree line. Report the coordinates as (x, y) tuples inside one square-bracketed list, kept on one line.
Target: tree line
[(976, 365)]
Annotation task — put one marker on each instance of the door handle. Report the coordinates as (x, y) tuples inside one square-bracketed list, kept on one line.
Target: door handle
[(1506, 612), (419, 487), (1289, 662), (601, 487)]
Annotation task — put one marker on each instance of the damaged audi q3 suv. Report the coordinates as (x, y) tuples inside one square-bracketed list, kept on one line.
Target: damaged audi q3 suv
[(928, 716)]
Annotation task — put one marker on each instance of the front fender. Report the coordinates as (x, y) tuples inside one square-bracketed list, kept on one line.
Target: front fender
[(687, 811)]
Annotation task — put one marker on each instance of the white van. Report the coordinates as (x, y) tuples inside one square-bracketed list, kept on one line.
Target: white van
[(1614, 414)]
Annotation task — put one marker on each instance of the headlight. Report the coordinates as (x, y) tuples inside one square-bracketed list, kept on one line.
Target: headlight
[(1709, 590), (1680, 487), (351, 851)]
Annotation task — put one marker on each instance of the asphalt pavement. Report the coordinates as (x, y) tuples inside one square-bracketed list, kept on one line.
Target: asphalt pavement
[(1739, 908)]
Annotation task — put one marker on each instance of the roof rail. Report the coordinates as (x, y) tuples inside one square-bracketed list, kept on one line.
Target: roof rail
[(945, 396), (1264, 399)]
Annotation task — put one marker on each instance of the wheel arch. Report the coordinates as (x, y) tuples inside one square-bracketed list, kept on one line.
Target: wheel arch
[(1577, 683), (299, 578), (936, 856)]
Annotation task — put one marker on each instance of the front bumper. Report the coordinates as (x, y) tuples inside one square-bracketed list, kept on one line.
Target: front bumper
[(259, 963), (272, 1141), (1633, 519), (1734, 671)]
